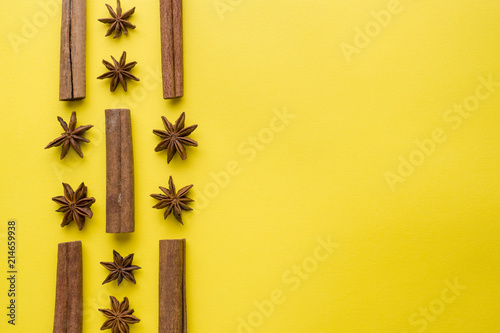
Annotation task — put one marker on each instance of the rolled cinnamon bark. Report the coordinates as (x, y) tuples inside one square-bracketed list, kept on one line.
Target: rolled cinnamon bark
[(178, 47), (172, 286), (73, 42), (69, 296), (172, 48), (119, 172)]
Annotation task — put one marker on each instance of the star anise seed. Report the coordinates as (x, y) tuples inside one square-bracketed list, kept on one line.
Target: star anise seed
[(75, 205), (174, 202), (119, 22), (175, 138), (71, 136), (120, 268), (119, 316), (119, 72)]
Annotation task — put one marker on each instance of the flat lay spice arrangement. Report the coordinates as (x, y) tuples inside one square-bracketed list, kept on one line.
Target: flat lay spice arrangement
[(76, 204)]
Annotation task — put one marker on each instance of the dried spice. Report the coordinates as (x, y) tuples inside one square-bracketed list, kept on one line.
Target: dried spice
[(72, 60), (174, 202), (75, 205), (171, 48), (120, 268), (71, 136), (175, 138), (120, 217), (172, 286), (119, 316), (68, 315), (119, 22), (119, 72)]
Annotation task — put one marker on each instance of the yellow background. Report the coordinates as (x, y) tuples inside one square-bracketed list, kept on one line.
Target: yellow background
[(322, 175)]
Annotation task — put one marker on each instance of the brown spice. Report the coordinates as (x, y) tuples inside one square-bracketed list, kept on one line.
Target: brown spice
[(73, 43), (121, 268), (68, 314), (172, 286), (174, 202), (119, 72), (118, 20), (119, 172), (172, 48), (71, 137), (175, 137), (75, 205), (119, 316)]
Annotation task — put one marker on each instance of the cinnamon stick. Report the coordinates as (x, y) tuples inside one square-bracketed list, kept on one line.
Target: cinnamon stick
[(69, 296), (72, 60), (172, 286), (172, 48), (119, 172), (178, 48)]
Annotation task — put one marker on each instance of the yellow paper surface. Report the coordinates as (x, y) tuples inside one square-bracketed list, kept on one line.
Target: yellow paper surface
[(368, 126)]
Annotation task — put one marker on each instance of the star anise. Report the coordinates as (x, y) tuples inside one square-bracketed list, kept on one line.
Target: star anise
[(175, 137), (75, 205), (120, 268), (118, 20), (119, 316), (174, 202), (71, 136), (119, 72)]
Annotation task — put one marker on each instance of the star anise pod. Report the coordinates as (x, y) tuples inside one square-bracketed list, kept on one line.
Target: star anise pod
[(175, 137), (75, 205), (174, 202), (120, 268), (119, 72), (119, 316), (119, 22), (71, 136)]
